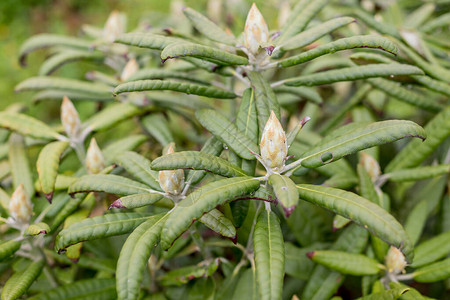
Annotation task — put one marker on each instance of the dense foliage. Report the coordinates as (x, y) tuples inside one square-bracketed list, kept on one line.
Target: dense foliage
[(227, 162)]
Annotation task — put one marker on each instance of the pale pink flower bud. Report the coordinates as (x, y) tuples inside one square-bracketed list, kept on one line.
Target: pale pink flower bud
[(171, 181), (114, 26), (20, 206), (70, 119), (273, 144), (130, 68), (395, 261), (256, 32), (95, 162), (370, 165)]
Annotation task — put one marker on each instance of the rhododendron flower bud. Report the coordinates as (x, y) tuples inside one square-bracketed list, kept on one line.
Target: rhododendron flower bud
[(171, 181), (395, 261), (256, 32), (370, 165), (273, 144), (95, 162), (114, 26), (70, 119), (130, 68), (20, 206)]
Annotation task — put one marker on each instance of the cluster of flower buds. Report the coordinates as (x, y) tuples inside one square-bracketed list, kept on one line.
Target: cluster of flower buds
[(370, 165), (70, 119), (171, 181), (20, 206), (95, 162), (395, 261), (273, 144), (256, 33), (114, 26)]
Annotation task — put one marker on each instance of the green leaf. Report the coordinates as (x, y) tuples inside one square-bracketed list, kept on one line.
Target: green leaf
[(36, 229), (146, 40), (246, 120), (269, 255), (418, 173), (346, 263), (163, 74), (72, 95), (412, 294), (47, 166), (208, 28), (140, 167), (41, 41), (172, 101), (98, 227), (403, 94), (185, 274), (112, 184), (301, 91), (339, 221), (197, 160), (58, 60), (358, 139), (217, 221), (134, 256), (363, 212), (391, 294), (158, 126), (361, 41), (123, 145), (204, 200), (19, 283), (65, 84), (432, 84), (136, 200), (246, 287), (8, 248), (286, 192), (94, 288), (434, 272), (297, 263), (432, 250), (26, 125), (353, 73), (314, 33), (111, 115), (227, 132), (207, 53), (182, 87), (382, 27), (438, 129), (18, 160)]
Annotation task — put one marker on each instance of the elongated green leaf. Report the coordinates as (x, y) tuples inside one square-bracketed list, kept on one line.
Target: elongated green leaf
[(123, 145), (20, 167), (361, 211), (346, 263), (112, 184), (36, 229), (204, 200), (360, 138), (227, 132), (98, 288), (40, 41), (432, 250), (170, 101), (361, 41), (354, 73), (212, 146), (246, 287), (184, 275), (103, 78), (310, 35), (136, 200), (140, 167), (134, 255), (405, 95), (219, 223), (163, 74), (146, 40), (297, 263), (8, 248), (269, 255), (391, 294), (381, 27), (72, 95), (27, 126), (418, 173), (412, 294), (98, 227), (47, 166), (198, 161), (301, 91), (438, 129), (286, 192), (211, 54), (339, 221), (112, 115), (434, 23), (65, 84), (434, 272), (65, 57), (433, 84), (158, 126), (208, 28), (188, 88), (19, 282)]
